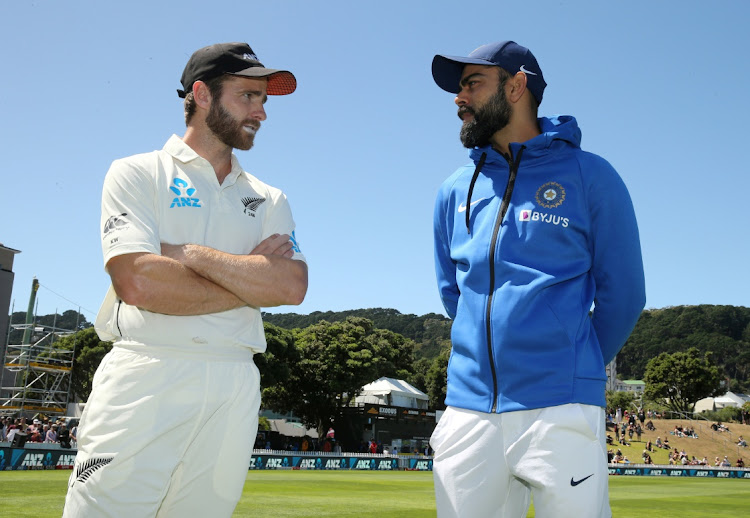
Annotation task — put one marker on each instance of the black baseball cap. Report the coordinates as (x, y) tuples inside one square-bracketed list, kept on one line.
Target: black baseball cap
[(508, 55), (236, 59)]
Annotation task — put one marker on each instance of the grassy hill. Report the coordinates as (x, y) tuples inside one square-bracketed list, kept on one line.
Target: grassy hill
[(709, 443)]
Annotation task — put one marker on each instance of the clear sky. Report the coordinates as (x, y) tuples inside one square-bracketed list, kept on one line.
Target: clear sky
[(659, 88)]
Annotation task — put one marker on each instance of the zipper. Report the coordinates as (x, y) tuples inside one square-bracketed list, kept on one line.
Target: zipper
[(513, 171)]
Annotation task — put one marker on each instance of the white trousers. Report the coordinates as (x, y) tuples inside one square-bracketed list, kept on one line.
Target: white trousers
[(165, 436), (488, 465)]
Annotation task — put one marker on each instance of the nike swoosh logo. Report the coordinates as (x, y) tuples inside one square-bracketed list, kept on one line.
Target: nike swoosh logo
[(574, 483), (523, 69), (462, 207)]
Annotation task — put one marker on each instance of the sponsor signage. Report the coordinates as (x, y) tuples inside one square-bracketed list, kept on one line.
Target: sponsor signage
[(325, 462), (24, 459), (396, 412), (668, 471)]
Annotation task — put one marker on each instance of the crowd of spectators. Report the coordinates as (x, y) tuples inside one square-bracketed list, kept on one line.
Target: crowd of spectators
[(628, 427), (38, 430)]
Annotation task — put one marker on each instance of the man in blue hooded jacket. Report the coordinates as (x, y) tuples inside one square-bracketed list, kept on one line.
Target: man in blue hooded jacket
[(539, 264)]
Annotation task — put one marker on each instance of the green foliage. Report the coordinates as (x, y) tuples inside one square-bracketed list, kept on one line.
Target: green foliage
[(430, 332), (335, 361), (276, 363), (69, 321), (437, 380), (721, 330), (623, 400), (682, 378), (89, 351), (264, 424), (723, 415)]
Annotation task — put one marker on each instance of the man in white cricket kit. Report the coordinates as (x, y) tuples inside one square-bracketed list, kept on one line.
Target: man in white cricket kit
[(194, 246)]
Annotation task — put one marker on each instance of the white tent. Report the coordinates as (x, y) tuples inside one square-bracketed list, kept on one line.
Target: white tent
[(392, 392)]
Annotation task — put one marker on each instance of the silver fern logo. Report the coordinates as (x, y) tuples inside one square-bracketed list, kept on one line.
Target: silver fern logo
[(88, 468), (251, 205)]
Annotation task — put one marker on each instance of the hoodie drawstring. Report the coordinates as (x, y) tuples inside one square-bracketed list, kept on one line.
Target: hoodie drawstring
[(477, 170)]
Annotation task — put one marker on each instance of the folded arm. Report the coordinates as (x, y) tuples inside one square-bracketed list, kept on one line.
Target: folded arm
[(266, 277), (196, 280)]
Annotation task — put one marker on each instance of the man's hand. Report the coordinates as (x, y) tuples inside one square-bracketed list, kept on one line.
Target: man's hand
[(266, 277), (277, 244)]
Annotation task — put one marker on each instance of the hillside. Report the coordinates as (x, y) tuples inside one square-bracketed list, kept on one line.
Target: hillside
[(724, 331), (430, 332), (709, 443)]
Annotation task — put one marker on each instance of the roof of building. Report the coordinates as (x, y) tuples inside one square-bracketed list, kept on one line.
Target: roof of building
[(393, 386)]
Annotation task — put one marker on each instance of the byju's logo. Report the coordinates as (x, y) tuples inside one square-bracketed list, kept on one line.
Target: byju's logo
[(251, 205), (115, 222), (184, 194)]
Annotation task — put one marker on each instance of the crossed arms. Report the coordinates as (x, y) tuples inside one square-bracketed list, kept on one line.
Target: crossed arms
[(196, 280)]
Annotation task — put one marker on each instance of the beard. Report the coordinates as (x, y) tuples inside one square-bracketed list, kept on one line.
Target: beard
[(230, 130), (487, 120)]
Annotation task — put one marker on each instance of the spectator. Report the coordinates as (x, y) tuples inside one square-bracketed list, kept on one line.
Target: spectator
[(34, 435), (51, 435), (725, 463), (12, 431), (740, 463), (666, 443), (650, 426), (64, 436), (649, 446), (638, 431), (659, 444), (646, 457), (717, 462), (742, 442), (704, 461)]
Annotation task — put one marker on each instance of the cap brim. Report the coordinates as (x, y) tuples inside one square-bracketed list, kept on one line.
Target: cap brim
[(280, 82), (447, 70)]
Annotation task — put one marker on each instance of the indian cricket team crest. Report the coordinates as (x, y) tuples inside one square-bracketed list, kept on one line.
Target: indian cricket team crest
[(550, 195)]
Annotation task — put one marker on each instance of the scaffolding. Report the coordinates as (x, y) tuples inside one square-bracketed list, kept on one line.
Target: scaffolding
[(37, 377)]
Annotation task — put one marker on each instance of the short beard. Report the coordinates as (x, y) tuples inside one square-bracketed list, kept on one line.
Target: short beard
[(489, 119), (228, 129)]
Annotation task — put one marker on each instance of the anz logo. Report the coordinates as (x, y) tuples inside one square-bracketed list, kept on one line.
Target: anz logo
[(184, 194)]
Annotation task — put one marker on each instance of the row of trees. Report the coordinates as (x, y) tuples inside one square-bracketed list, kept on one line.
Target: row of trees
[(314, 370)]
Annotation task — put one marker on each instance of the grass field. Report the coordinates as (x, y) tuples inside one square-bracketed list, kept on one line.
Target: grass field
[(40, 494)]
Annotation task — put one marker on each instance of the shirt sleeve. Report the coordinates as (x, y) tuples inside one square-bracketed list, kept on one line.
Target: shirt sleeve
[(279, 220), (617, 264), (129, 221), (445, 267)]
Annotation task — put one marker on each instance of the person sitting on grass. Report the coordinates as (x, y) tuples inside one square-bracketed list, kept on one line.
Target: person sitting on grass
[(646, 457), (741, 442)]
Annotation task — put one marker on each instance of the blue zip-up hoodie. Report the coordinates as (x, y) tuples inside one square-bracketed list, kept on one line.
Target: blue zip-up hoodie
[(519, 280)]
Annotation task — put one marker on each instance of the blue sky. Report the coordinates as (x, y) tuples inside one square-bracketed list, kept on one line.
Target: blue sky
[(659, 88)]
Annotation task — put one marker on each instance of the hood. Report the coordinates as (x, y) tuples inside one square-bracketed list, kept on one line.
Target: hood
[(560, 130)]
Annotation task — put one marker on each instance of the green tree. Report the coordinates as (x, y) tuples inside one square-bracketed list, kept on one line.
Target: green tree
[(335, 361), (89, 351), (276, 363), (437, 380), (619, 399), (682, 378)]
